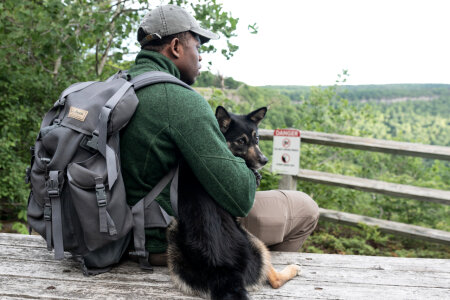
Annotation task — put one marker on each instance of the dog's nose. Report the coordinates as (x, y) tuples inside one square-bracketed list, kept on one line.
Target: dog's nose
[(263, 160)]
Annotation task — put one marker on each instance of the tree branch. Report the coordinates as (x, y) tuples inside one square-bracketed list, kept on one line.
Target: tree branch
[(57, 66), (99, 66), (105, 55)]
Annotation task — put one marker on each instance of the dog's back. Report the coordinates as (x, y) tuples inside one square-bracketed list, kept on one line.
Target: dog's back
[(209, 252)]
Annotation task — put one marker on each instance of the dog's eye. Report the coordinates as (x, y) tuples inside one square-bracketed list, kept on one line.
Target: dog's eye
[(241, 141)]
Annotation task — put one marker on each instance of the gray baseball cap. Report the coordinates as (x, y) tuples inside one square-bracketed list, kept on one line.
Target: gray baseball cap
[(171, 19)]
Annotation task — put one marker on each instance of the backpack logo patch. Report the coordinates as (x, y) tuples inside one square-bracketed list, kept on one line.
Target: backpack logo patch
[(77, 113)]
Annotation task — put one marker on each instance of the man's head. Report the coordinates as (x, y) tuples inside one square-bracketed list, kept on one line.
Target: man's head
[(173, 32)]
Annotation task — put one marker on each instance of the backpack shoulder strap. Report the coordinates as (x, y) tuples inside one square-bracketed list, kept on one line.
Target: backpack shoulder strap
[(152, 77), (148, 214)]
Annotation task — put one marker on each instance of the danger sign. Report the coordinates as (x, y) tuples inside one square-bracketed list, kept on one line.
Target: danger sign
[(286, 151)]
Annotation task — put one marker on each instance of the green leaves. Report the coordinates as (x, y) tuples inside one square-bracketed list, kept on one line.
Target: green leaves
[(323, 109), (253, 29), (46, 46)]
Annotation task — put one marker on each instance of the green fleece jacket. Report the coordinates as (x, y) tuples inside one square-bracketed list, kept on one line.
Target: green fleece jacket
[(172, 122)]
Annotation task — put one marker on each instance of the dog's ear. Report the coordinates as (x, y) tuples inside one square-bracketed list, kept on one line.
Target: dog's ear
[(223, 118), (257, 115)]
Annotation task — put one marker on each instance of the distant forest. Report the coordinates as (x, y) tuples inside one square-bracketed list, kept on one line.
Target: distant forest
[(379, 93), (376, 93)]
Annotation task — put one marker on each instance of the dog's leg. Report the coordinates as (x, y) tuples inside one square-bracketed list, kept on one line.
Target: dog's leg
[(278, 279)]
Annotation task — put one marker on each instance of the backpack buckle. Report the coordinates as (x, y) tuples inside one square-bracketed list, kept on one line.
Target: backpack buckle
[(47, 212), (53, 193), (93, 142), (45, 160), (84, 144), (100, 193), (28, 175), (52, 188)]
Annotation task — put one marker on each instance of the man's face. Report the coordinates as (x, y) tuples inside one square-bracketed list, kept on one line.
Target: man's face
[(189, 62)]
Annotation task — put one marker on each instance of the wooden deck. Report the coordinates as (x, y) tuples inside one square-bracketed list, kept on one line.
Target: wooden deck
[(28, 271)]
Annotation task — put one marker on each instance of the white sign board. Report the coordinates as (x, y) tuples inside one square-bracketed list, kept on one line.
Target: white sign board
[(286, 151)]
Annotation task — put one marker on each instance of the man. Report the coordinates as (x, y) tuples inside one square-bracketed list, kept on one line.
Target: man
[(173, 122)]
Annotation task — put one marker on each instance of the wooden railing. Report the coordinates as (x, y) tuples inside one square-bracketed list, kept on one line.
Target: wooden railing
[(374, 186)]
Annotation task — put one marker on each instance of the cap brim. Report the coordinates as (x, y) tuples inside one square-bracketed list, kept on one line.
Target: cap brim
[(205, 35)]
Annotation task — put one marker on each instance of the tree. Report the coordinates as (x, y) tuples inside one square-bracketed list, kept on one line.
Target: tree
[(47, 45)]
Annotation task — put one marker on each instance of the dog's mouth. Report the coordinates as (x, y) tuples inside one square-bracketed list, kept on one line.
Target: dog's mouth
[(256, 166)]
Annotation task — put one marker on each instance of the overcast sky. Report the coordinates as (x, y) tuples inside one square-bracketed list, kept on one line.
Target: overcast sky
[(309, 42)]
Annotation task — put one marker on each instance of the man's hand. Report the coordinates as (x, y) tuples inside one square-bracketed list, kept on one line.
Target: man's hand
[(258, 177)]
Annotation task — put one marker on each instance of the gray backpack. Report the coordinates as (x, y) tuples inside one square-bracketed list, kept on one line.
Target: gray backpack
[(77, 201)]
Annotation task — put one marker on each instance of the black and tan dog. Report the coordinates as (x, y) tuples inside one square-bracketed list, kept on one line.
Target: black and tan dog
[(209, 253)]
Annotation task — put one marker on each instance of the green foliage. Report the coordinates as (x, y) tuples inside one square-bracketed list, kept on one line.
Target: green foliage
[(207, 79), (367, 240), (50, 44), (324, 110), (19, 228), (47, 45), (374, 93)]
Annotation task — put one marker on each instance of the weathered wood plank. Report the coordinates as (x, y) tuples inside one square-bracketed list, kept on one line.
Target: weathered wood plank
[(38, 252), (41, 288), (129, 272), (376, 186), (288, 182), (419, 232), (30, 272), (368, 144), (404, 264)]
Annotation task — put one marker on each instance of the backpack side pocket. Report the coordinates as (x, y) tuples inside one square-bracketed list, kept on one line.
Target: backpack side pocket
[(103, 213)]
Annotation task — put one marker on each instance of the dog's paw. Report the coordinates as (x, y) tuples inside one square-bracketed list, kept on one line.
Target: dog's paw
[(296, 269)]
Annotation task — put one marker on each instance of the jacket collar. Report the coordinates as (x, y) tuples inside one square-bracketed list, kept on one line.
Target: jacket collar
[(156, 61)]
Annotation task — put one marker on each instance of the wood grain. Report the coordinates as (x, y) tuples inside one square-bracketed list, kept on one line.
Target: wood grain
[(423, 233), (28, 271), (368, 144)]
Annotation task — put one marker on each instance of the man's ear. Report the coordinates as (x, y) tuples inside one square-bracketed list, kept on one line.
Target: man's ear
[(223, 118), (175, 48), (257, 115)]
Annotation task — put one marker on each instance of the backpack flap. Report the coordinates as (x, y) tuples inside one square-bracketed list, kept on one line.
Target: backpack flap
[(82, 115)]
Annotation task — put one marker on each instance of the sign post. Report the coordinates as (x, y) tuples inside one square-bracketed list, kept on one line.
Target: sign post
[(286, 151)]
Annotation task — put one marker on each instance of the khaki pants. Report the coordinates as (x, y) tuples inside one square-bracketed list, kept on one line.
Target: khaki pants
[(281, 219)]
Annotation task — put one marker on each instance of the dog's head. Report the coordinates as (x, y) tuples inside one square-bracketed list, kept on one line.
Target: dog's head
[(241, 134)]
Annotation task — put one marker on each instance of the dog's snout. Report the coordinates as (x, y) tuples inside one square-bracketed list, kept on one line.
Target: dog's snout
[(263, 160)]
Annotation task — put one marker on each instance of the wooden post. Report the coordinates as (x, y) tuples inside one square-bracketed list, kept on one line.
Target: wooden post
[(288, 182)]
